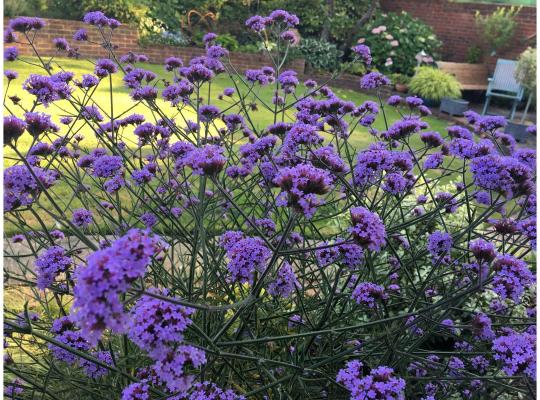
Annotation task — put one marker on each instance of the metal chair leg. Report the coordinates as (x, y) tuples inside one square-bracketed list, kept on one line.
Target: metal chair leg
[(486, 105), (513, 112)]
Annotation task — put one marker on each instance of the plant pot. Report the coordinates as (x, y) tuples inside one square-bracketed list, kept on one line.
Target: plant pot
[(454, 106), (401, 88), (518, 131), (430, 102)]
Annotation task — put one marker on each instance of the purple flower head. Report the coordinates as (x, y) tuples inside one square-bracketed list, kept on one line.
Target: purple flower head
[(148, 93), (300, 187), (326, 158), (517, 353), (136, 391), (482, 250), (447, 200), (363, 52), (156, 324), (216, 51), (170, 368), (207, 113), (374, 80), (367, 229), (92, 113), (207, 160), (256, 23), (246, 256), (105, 67), (149, 220), (172, 63), (11, 53), (81, 35), (13, 128), (282, 16), (25, 24), (10, 75), (48, 89), (481, 327), (511, 278), (108, 273), (51, 263), (433, 161), (82, 218), (439, 245), (107, 166), (285, 282), (527, 227), (369, 294), (197, 73), (431, 139), (395, 184), (209, 37), (290, 36), (404, 128), (10, 36), (380, 384), (39, 123), (61, 44), (505, 175), (20, 186), (136, 76), (97, 18)]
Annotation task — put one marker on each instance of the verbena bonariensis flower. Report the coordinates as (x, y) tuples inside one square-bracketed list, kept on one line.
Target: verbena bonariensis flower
[(517, 353), (379, 384), (206, 160), (439, 246), (13, 128), (171, 367), (25, 24), (300, 187), (51, 263), (512, 276), (82, 217), (157, 324), (48, 89), (246, 256), (285, 283), (374, 80), (367, 229), (369, 294), (108, 274), (22, 186), (481, 327)]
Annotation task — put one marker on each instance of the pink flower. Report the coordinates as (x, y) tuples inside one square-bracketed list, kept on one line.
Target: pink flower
[(389, 37), (394, 43), (388, 62)]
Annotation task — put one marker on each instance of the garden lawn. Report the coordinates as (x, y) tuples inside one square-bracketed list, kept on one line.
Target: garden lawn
[(123, 105)]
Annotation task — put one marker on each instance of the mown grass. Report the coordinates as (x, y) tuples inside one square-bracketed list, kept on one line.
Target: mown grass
[(120, 105)]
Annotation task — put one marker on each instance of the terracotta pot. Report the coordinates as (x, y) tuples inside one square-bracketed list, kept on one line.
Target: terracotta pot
[(402, 88)]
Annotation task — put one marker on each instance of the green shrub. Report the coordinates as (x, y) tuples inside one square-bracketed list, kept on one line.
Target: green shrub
[(526, 69), (498, 28), (400, 78), (320, 54), (228, 41), (434, 84), (396, 39), (474, 54)]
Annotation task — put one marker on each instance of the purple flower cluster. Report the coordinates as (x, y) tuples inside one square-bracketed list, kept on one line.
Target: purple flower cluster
[(156, 324), (300, 185), (517, 353), (108, 273), (367, 229), (51, 263), (48, 89), (379, 384), (369, 294), (22, 186), (439, 246), (512, 276), (246, 256), (285, 283)]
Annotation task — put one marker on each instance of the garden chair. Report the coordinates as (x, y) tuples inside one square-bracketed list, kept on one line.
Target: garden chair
[(504, 84)]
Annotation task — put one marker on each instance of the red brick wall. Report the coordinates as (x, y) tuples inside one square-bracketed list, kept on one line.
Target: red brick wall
[(454, 24), (126, 38)]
